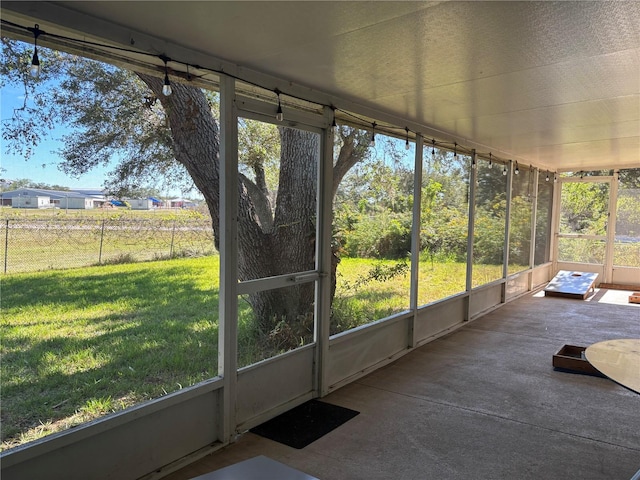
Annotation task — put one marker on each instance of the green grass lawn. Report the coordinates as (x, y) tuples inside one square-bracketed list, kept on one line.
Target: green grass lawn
[(77, 344), (31, 242), (120, 212)]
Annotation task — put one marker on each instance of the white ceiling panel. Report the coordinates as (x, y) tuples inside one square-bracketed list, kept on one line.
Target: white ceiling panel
[(552, 83)]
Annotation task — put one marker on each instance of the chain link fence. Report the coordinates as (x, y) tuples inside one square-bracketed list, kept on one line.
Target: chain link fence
[(31, 244)]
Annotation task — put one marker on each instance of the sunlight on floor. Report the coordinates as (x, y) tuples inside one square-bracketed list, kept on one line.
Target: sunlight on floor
[(615, 297), (602, 295)]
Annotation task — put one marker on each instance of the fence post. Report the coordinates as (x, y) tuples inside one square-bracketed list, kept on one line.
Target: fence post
[(6, 245), (101, 240), (173, 234)]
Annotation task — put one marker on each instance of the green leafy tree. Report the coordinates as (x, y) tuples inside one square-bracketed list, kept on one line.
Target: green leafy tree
[(543, 222), (374, 205), (630, 177), (584, 208), (444, 207), (121, 117), (520, 217)]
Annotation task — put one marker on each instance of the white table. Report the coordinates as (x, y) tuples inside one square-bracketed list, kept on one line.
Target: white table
[(617, 359), (620, 361), (256, 468)]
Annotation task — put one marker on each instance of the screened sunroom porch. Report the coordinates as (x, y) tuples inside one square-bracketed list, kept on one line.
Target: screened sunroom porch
[(510, 111)]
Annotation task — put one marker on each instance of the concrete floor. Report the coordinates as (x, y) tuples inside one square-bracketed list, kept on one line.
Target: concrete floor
[(481, 403)]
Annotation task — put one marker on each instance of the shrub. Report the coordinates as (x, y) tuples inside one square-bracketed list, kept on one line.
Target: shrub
[(387, 235)]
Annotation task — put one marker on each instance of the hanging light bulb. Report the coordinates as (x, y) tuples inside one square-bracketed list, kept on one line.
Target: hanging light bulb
[(455, 149), (406, 144), (555, 178), (504, 170), (279, 114), (166, 87), (473, 162), (372, 143), (547, 177), (433, 148), (34, 69), (35, 64), (333, 123), (517, 170), (490, 161)]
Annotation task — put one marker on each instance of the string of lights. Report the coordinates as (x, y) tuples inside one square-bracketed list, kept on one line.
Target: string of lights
[(279, 115)]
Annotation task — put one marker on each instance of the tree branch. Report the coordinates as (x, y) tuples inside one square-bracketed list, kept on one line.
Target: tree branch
[(261, 203), (352, 151)]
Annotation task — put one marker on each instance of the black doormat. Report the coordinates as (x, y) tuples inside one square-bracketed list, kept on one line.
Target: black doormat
[(304, 424)]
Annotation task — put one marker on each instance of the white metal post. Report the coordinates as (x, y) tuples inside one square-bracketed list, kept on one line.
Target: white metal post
[(556, 208), (507, 231), (534, 217), (611, 228), (473, 179), (228, 301), (324, 258), (415, 237)]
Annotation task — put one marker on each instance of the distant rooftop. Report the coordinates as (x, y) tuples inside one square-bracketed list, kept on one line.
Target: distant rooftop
[(53, 194)]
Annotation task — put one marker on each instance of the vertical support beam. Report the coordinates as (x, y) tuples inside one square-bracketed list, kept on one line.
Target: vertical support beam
[(324, 259), (228, 306), (473, 181), (415, 238), (556, 208), (611, 227), (534, 217), (507, 231)]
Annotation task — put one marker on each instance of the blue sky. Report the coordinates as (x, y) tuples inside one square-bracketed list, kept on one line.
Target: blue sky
[(43, 165)]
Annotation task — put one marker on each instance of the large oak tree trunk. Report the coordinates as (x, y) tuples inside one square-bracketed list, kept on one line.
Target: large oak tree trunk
[(267, 247), (289, 245)]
